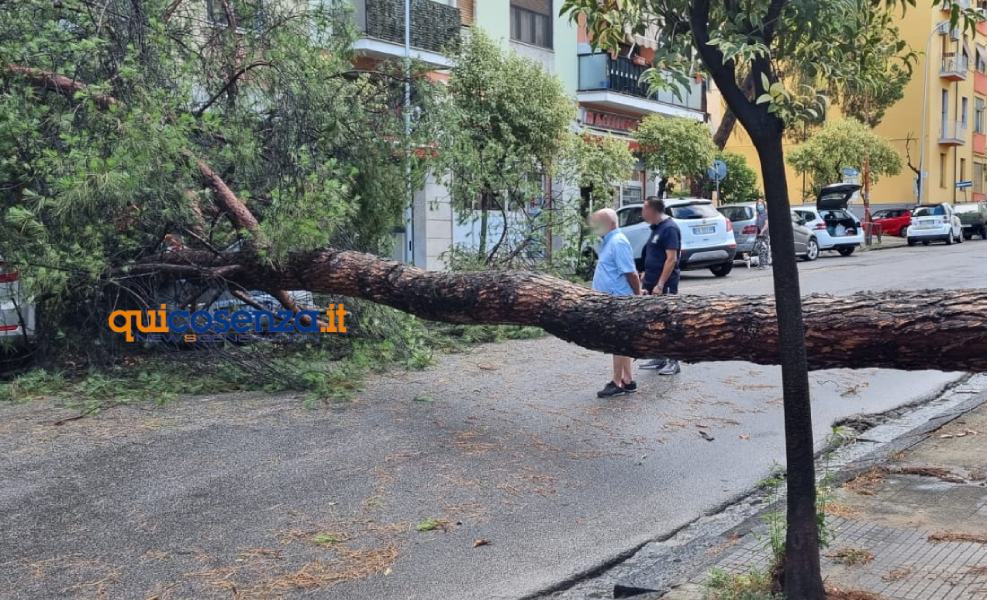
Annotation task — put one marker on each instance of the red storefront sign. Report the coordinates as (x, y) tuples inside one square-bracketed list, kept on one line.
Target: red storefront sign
[(610, 121)]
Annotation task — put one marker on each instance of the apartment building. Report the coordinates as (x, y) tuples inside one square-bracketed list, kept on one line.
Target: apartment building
[(606, 87), (938, 127)]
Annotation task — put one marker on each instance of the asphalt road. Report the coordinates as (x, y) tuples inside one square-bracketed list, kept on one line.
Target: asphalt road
[(521, 477)]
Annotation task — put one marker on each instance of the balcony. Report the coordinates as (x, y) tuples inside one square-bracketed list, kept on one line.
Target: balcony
[(953, 68), (434, 30), (952, 133), (615, 83)]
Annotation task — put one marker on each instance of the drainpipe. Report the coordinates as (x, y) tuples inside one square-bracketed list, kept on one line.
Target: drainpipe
[(409, 211), (939, 29)]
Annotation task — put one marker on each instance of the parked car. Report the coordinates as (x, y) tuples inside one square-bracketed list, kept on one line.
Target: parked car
[(973, 219), (832, 224), (893, 221), (744, 222), (806, 244), (707, 236), (17, 319), (935, 223)]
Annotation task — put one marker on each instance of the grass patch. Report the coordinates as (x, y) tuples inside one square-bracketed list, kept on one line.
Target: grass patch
[(430, 525), (753, 585)]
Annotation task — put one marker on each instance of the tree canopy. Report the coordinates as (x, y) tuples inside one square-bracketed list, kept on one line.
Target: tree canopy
[(675, 147), (844, 143)]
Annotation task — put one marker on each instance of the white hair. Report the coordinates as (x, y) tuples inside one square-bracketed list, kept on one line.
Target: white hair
[(609, 214)]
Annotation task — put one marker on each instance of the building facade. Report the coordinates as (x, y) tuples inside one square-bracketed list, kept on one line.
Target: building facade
[(606, 88), (938, 127)]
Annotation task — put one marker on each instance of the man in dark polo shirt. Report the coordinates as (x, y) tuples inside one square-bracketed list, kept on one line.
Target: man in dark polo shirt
[(661, 265)]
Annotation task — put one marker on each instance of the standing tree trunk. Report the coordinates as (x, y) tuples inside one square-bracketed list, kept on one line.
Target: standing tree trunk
[(802, 573)]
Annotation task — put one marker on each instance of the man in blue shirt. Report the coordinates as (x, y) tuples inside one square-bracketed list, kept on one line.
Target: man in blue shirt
[(617, 275), (661, 264)]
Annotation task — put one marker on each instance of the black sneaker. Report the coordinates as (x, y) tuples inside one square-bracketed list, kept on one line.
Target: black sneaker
[(655, 364), (631, 387), (611, 390)]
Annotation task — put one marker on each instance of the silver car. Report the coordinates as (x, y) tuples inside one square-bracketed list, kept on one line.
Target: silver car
[(744, 221)]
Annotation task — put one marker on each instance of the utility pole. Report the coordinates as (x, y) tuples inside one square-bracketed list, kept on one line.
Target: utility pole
[(409, 211)]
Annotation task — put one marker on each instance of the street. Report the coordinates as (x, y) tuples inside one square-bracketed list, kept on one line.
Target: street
[(496, 473)]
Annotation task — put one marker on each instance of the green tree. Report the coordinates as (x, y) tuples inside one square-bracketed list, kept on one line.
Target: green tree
[(674, 148), (745, 48), (505, 128), (123, 126), (740, 184), (844, 143)]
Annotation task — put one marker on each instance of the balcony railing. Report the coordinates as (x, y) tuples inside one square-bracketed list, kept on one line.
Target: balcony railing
[(953, 67), (434, 26), (622, 75), (953, 133)]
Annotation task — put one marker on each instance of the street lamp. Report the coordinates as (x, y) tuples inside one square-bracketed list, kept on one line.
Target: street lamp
[(941, 28), (409, 211)]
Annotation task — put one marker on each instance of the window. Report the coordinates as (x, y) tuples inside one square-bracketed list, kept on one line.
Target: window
[(942, 170), (978, 115), (944, 112), (962, 169), (630, 216), (631, 194), (531, 22), (699, 210), (981, 59), (964, 108), (737, 213), (979, 175)]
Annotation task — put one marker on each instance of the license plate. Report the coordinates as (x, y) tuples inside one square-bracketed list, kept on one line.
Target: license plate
[(926, 226), (704, 230)]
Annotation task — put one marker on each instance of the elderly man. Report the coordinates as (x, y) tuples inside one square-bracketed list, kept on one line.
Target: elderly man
[(616, 275)]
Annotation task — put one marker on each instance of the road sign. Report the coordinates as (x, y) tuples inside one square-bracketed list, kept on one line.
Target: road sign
[(718, 172), (965, 184)]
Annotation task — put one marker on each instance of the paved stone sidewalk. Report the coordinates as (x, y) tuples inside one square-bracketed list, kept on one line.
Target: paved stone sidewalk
[(914, 528)]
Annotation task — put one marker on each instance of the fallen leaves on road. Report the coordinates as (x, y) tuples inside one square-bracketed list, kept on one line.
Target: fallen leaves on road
[(948, 436), (866, 483), (480, 542), (896, 574), (432, 525), (851, 557), (706, 436)]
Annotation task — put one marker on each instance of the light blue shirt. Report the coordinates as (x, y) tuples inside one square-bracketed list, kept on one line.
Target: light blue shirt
[(616, 260)]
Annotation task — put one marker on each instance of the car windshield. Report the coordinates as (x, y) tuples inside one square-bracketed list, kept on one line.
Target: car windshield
[(630, 216), (930, 211), (737, 213), (698, 210), (965, 208)]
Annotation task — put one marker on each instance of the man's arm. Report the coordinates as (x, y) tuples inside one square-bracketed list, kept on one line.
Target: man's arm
[(671, 258), (635, 281)]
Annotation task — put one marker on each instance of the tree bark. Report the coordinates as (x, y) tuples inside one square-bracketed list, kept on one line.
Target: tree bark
[(802, 573), (932, 329)]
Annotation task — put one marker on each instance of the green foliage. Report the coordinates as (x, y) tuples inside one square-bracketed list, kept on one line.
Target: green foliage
[(273, 105), (844, 143), (740, 184), (753, 585), (505, 125), (803, 54), (675, 147), (598, 163)]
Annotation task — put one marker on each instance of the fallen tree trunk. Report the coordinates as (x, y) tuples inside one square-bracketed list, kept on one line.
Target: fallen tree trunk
[(930, 329)]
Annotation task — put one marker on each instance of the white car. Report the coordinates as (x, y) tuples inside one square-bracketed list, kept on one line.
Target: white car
[(707, 236), (16, 312), (834, 227), (935, 223)]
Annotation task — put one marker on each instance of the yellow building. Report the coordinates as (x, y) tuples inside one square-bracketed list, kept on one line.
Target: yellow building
[(939, 125)]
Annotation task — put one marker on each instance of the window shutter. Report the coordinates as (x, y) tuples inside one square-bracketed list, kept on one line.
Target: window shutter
[(467, 11), (543, 7)]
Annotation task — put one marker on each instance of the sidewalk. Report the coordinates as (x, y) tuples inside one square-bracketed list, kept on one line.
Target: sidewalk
[(887, 242), (913, 528)]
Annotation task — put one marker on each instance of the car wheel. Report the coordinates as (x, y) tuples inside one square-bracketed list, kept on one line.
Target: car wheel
[(949, 238), (983, 232), (846, 251), (903, 232), (967, 235), (961, 237), (812, 250), (722, 270), (912, 242)]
